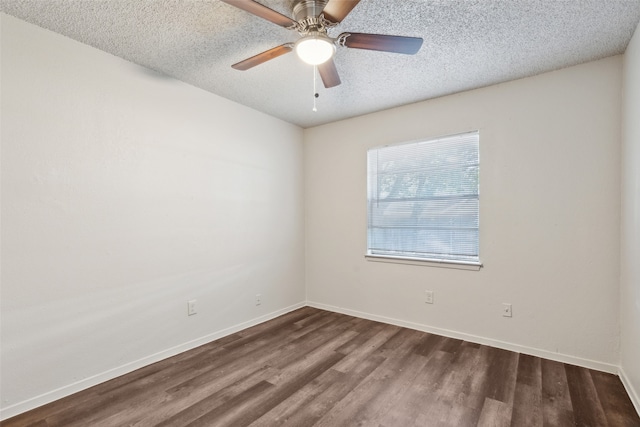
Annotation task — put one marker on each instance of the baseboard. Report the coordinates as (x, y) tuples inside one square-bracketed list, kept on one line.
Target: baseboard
[(633, 394), (86, 383), (559, 357)]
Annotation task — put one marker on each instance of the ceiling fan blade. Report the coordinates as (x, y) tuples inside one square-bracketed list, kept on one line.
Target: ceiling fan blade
[(263, 57), (337, 10), (329, 74), (381, 42), (263, 12)]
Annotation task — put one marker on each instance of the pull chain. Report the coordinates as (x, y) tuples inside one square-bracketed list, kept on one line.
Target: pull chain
[(315, 92)]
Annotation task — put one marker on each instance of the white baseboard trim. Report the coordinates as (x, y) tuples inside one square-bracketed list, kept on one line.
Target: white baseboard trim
[(559, 357), (633, 394), (84, 384)]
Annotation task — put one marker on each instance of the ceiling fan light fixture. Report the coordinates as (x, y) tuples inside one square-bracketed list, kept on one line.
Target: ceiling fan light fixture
[(315, 49)]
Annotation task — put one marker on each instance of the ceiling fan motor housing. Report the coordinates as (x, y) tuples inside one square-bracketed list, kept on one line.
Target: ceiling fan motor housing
[(308, 8), (310, 20)]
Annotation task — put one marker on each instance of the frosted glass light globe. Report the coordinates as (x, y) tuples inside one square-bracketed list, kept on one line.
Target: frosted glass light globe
[(315, 49)]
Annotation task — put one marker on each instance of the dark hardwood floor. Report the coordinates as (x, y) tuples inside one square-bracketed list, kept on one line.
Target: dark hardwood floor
[(313, 367)]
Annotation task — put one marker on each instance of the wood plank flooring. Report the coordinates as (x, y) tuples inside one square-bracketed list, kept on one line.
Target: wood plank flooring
[(317, 368)]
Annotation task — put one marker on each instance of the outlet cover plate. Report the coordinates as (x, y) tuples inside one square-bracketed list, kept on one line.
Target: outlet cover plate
[(506, 310), (428, 297), (191, 307)]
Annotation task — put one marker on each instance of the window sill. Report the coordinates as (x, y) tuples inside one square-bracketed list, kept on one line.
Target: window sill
[(460, 265)]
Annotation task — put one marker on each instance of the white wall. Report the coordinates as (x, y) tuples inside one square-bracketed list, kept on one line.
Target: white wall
[(549, 217), (630, 225), (123, 196)]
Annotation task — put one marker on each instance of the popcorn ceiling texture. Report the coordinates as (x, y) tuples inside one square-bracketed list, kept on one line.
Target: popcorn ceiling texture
[(468, 44)]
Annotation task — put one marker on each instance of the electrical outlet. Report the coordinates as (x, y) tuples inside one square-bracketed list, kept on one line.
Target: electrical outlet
[(428, 297), (191, 307), (506, 309), (258, 299)]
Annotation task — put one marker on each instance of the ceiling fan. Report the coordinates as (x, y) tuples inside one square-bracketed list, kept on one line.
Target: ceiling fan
[(311, 19)]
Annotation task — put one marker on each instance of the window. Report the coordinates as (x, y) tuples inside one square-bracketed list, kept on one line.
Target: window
[(423, 200)]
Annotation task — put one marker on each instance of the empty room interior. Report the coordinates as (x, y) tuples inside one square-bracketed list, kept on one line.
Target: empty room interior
[(199, 228)]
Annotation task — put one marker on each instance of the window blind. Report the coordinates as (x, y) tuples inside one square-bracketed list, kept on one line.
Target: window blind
[(423, 199)]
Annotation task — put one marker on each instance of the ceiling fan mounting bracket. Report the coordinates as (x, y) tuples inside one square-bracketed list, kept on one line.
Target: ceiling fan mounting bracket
[(341, 40)]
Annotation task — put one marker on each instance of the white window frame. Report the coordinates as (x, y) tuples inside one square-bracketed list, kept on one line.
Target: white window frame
[(395, 256)]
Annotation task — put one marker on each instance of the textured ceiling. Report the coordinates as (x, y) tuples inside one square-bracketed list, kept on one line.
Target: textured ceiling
[(467, 44)]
